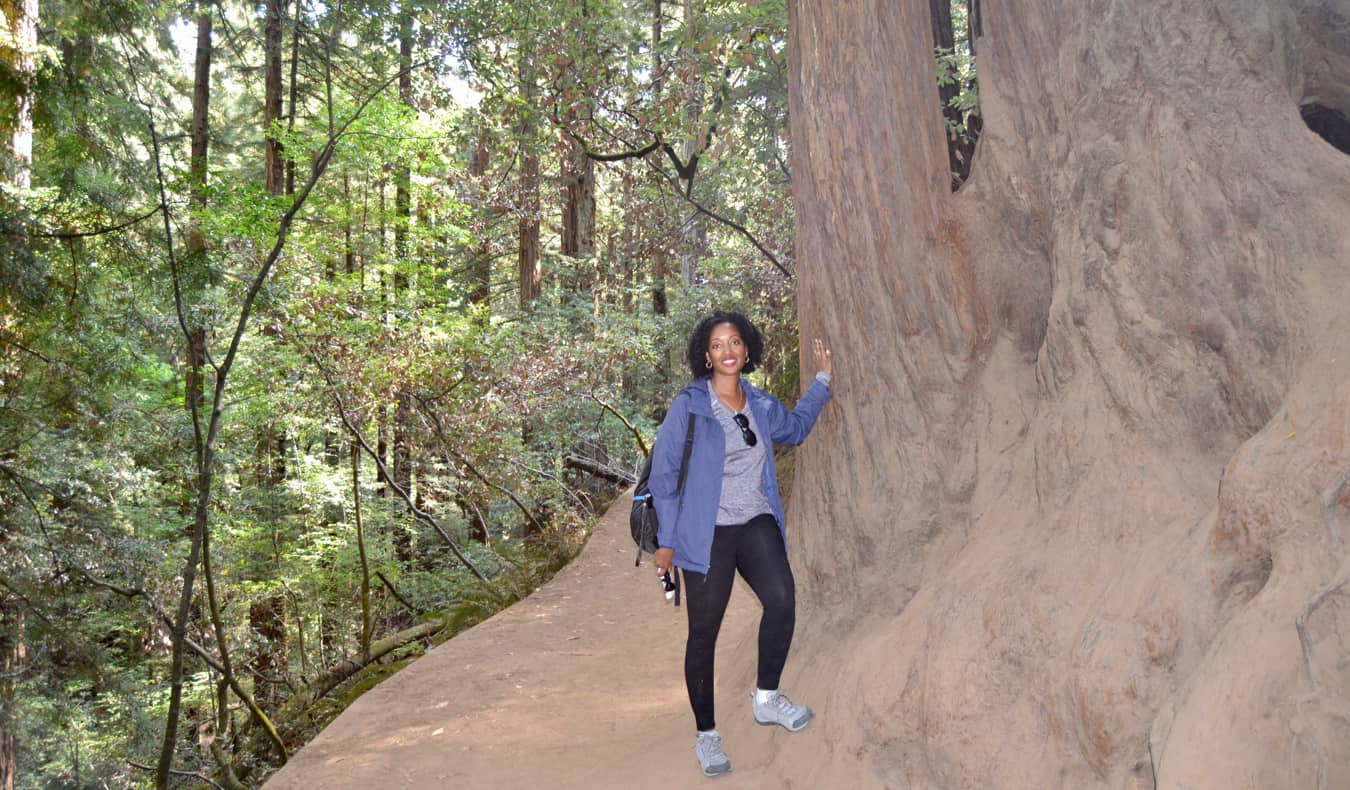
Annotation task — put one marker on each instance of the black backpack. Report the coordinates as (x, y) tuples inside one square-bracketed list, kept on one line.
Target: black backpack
[(642, 519)]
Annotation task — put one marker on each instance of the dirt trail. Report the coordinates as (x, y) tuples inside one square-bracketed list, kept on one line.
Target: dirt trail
[(579, 685)]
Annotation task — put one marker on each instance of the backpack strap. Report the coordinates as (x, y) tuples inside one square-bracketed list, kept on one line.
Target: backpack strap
[(684, 462), (684, 472)]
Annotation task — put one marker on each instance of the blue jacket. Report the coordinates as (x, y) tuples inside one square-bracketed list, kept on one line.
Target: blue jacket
[(688, 528)]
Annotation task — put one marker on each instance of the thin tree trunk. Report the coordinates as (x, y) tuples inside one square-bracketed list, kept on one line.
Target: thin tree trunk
[(366, 627), (293, 95), (274, 169), (195, 242), (527, 205), (12, 655), (694, 232), (267, 615), (205, 439), (658, 251), (480, 264), (402, 425)]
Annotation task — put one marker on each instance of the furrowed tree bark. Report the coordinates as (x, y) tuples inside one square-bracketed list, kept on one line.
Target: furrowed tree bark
[(1083, 482)]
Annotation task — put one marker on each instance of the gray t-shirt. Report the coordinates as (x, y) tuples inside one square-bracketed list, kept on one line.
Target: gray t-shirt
[(743, 474)]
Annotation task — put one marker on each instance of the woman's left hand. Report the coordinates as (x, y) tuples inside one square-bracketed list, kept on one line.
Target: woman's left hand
[(824, 358)]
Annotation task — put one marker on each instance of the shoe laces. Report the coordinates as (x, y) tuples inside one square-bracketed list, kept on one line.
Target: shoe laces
[(710, 744), (781, 703)]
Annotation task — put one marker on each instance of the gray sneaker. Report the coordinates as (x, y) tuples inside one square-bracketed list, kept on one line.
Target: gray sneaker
[(780, 710), (711, 758)]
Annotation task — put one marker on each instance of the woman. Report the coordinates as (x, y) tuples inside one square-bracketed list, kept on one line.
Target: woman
[(729, 517)]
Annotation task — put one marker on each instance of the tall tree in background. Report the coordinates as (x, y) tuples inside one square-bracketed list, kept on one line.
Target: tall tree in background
[(657, 252), (22, 21), (528, 256), (22, 18), (195, 239), (267, 613), (1086, 467), (274, 31), (403, 298), (576, 169)]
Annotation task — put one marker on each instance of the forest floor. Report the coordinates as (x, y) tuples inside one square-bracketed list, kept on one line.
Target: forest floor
[(579, 685)]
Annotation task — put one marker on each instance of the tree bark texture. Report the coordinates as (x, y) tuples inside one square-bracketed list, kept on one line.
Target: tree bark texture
[(13, 652), (22, 16), (1077, 516), (578, 215), (527, 231), (273, 27)]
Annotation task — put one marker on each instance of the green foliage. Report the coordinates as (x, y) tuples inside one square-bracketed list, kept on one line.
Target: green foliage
[(407, 314), (957, 80), (956, 66)]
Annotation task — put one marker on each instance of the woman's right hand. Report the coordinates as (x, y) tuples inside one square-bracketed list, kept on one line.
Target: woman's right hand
[(664, 560)]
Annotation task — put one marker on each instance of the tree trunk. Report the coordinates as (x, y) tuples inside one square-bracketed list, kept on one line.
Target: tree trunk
[(531, 274), (693, 233), (267, 615), (658, 251), (293, 92), (578, 215), (527, 207), (195, 242), (274, 171), (402, 427), (12, 656), (1084, 489), (22, 16), (480, 265)]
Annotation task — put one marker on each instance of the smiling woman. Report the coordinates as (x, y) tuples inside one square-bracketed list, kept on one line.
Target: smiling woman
[(732, 519)]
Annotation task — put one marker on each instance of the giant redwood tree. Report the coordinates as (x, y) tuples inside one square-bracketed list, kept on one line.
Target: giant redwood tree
[(1079, 513)]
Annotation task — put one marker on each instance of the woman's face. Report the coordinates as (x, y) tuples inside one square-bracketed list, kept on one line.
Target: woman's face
[(727, 353)]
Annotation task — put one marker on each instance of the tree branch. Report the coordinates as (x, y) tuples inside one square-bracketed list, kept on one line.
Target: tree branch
[(637, 436), (750, 237), (599, 470), (418, 513), (100, 231), (467, 464), (394, 591), (175, 772)]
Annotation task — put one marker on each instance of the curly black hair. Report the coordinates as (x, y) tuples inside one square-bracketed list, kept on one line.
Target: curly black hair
[(698, 342)]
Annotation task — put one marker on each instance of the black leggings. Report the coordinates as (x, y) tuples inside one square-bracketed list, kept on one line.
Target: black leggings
[(756, 550)]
